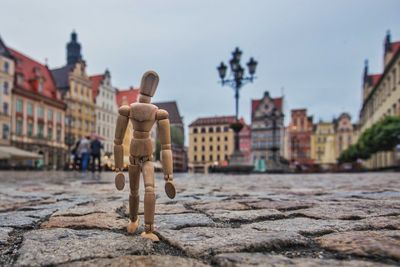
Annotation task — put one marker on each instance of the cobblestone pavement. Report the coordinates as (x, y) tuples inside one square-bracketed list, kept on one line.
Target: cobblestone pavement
[(60, 218)]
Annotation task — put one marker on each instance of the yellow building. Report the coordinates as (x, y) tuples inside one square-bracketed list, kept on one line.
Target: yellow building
[(381, 97), (211, 142), (323, 144), (7, 70), (344, 133), (76, 88)]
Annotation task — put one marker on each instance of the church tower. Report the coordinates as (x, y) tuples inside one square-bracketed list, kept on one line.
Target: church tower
[(73, 50)]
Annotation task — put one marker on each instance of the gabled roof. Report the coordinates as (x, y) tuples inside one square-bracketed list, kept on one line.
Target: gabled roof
[(32, 71), (127, 97), (172, 108), (278, 103), (61, 76), (96, 81), (217, 120)]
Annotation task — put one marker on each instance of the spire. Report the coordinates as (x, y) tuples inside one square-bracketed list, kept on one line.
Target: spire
[(365, 77), (73, 49), (388, 46)]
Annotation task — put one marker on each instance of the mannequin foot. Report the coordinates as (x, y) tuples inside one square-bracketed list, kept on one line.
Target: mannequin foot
[(150, 236), (132, 226)]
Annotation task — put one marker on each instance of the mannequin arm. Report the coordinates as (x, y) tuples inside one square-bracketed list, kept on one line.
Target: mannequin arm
[(165, 139), (120, 129)]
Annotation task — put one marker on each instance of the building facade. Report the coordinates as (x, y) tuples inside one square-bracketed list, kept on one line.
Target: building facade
[(75, 87), (180, 161), (323, 144), (211, 142), (381, 97), (6, 83), (344, 133), (104, 95), (37, 112), (245, 141), (299, 134), (267, 127)]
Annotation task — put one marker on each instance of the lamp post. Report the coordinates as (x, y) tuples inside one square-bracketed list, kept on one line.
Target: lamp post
[(236, 79)]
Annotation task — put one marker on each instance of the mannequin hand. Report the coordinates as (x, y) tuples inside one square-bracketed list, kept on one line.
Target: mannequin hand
[(120, 181), (169, 186)]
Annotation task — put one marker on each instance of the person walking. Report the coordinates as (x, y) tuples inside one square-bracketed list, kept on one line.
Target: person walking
[(95, 149), (84, 152)]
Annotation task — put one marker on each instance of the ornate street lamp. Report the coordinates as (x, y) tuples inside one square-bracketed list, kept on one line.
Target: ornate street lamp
[(236, 79)]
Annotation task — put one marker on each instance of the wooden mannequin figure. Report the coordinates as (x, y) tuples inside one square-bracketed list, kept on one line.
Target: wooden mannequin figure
[(143, 115)]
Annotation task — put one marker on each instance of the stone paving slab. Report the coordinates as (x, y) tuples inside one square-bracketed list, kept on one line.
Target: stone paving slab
[(139, 261), (201, 241), (259, 259), (364, 243), (56, 246), (244, 215)]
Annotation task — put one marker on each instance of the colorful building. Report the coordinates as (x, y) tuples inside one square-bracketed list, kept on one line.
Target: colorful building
[(323, 144), (37, 112), (381, 97), (245, 141), (75, 87), (6, 83), (299, 134), (104, 95), (267, 132), (344, 133), (211, 142)]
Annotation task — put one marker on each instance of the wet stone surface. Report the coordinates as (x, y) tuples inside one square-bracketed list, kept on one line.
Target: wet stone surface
[(69, 219)]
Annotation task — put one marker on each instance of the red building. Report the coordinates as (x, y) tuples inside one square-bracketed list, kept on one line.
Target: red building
[(299, 133)]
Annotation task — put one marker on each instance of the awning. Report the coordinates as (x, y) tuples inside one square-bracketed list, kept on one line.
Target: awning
[(13, 153)]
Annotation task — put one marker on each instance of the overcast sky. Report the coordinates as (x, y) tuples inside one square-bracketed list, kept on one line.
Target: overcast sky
[(314, 50)]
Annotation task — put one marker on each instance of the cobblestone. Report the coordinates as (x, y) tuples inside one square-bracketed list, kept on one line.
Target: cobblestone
[(64, 218)]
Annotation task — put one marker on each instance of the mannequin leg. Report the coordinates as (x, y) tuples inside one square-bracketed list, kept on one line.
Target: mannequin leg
[(149, 201), (134, 177)]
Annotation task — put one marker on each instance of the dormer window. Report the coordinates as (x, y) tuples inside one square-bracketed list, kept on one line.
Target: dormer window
[(40, 85)]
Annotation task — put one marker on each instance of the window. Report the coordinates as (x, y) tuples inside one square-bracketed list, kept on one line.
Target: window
[(203, 158), (30, 129), (40, 132), (49, 115), (195, 130), (195, 157), (6, 67), (226, 128), (40, 112), (218, 138), (49, 133), (5, 88), (195, 139), (211, 129), (58, 117), (5, 108), (20, 79), (195, 148), (210, 139), (203, 130), (218, 148), (18, 127), (40, 86), (58, 135), (211, 148), (19, 106), (226, 148), (218, 129), (29, 109), (226, 138), (211, 157), (202, 148), (203, 139), (6, 131)]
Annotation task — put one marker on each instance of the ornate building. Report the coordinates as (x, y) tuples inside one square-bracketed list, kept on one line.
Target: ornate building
[(37, 112), (75, 87), (245, 141), (323, 144), (267, 132), (381, 97), (299, 134), (177, 135), (344, 133), (6, 83), (211, 142), (104, 95)]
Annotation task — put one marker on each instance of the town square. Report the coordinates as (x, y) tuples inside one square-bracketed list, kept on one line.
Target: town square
[(200, 133)]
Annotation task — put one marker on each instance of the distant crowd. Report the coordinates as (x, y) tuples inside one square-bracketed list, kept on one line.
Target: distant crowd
[(87, 150)]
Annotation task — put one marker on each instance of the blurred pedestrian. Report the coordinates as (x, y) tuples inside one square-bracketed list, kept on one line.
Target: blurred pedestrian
[(84, 152), (95, 150), (75, 154)]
